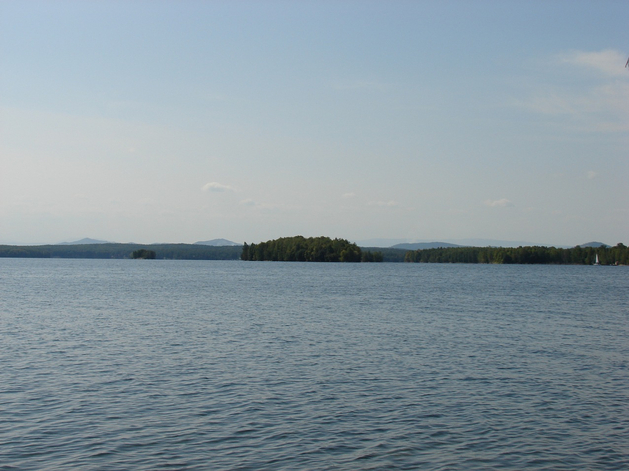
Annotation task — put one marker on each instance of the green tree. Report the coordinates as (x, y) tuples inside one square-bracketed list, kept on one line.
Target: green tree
[(143, 254)]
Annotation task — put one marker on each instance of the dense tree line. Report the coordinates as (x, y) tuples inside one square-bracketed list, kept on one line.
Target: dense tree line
[(163, 251), (16, 251), (388, 254), (143, 254), (618, 255), (368, 256), (312, 249)]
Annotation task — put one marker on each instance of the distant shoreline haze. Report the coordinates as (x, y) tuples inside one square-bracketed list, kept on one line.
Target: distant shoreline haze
[(371, 243)]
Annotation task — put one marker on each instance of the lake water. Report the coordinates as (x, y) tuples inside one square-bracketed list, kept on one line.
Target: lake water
[(146, 365)]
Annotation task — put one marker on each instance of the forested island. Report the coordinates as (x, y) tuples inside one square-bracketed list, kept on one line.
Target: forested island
[(312, 249), (117, 251), (618, 255)]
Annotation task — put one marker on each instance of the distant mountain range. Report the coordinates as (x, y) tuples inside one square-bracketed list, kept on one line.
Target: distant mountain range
[(213, 242), (427, 244), (423, 245), (404, 243), (415, 245), (383, 243), (85, 241), (494, 243), (594, 244), (217, 243)]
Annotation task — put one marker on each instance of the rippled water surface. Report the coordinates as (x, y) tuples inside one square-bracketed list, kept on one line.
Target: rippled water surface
[(122, 364)]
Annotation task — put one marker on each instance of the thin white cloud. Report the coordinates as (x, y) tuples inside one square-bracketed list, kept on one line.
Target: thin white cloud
[(591, 175), (548, 103), (384, 204), (217, 187), (609, 61), (602, 107), (349, 195), (265, 206), (611, 98), (501, 203)]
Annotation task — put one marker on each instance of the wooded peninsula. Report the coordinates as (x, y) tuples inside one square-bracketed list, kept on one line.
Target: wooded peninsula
[(618, 255)]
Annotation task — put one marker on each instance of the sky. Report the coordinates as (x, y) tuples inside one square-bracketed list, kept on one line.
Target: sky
[(181, 121)]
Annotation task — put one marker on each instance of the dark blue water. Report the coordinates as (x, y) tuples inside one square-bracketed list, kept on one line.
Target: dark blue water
[(121, 364)]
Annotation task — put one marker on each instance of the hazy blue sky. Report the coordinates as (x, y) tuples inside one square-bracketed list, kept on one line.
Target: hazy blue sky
[(179, 121)]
